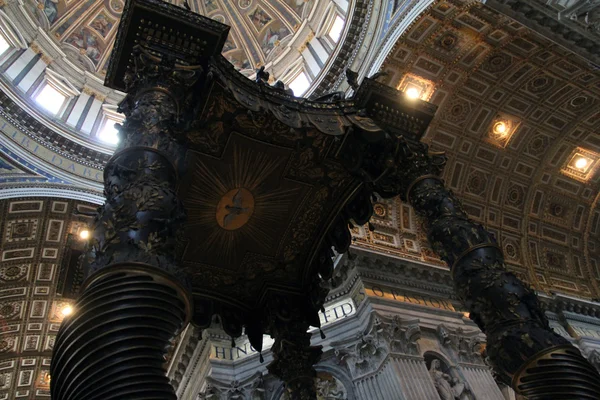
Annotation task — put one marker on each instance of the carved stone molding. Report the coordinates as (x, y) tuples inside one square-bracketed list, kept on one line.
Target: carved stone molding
[(574, 23), (466, 344), (328, 388), (386, 335), (183, 359), (252, 388)]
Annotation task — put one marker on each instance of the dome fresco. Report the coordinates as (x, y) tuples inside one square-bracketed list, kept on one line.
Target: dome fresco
[(85, 30)]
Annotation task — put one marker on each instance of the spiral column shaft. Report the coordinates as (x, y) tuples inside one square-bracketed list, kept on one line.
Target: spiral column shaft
[(136, 297), (114, 346)]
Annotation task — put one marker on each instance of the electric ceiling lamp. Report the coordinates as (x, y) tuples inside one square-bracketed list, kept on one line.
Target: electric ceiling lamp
[(500, 128), (413, 93), (84, 234), (415, 87), (66, 310), (581, 164)]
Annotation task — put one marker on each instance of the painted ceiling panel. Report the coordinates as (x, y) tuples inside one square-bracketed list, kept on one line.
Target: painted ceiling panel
[(86, 29)]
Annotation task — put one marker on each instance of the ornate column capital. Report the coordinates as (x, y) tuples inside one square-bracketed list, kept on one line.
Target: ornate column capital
[(467, 345), (153, 72), (386, 334)]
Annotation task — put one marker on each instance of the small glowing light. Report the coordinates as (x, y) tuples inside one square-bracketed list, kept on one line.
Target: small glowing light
[(581, 163), (84, 234), (412, 93), (67, 310), (500, 128)]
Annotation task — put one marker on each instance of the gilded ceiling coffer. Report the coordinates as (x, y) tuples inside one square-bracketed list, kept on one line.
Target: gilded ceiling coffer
[(227, 197)]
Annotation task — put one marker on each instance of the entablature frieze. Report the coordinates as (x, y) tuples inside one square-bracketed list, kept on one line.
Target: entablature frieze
[(404, 272), (573, 24), (576, 308)]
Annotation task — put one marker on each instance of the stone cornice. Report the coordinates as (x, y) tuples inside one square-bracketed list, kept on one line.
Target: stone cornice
[(539, 18), (412, 275), (31, 189), (558, 303), (404, 272)]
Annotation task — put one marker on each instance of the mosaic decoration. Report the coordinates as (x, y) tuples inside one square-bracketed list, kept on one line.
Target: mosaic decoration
[(102, 23), (260, 18), (86, 29)]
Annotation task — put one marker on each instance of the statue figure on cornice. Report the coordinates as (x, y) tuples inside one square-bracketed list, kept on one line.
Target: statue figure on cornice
[(448, 387)]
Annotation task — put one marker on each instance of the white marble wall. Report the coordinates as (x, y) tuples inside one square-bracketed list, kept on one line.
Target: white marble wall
[(415, 381), (482, 383), (379, 351)]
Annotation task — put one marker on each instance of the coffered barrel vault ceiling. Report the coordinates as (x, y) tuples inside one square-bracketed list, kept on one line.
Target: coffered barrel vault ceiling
[(33, 263), (523, 184), (86, 29)]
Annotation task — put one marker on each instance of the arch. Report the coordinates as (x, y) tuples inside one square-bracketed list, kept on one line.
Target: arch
[(429, 356), (392, 37), (11, 32)]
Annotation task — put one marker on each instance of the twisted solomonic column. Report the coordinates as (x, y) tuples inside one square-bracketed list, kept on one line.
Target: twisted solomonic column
[(135, 298), (523, 349)]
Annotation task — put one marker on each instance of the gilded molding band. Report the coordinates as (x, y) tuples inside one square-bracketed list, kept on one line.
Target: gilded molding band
[(469, 250), (419, 179)]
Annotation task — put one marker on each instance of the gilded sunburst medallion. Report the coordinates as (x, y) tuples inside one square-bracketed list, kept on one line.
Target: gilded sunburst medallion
[(235, 209), (239, 205)]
